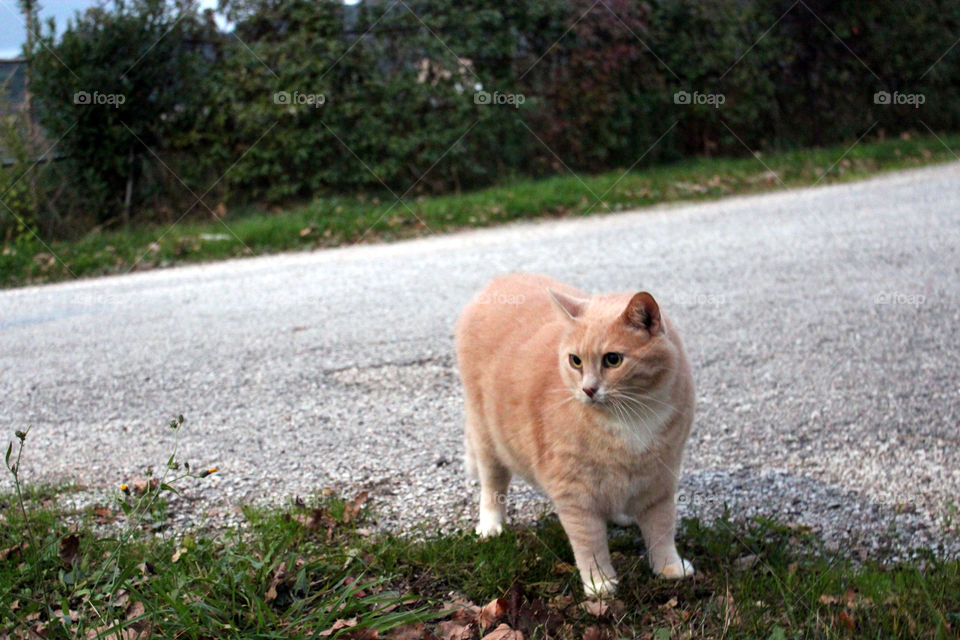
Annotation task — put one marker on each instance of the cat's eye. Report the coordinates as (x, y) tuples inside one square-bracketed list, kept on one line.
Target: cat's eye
[(575, 361), (612, 360)]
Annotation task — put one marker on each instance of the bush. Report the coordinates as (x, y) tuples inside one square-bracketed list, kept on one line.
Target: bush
[(388, 99), (121, 89)]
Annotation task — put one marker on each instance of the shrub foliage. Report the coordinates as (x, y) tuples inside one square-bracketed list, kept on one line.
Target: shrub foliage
[(311, 97)]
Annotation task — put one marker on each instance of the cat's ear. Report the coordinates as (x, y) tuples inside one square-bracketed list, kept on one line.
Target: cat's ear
[(643, 312), (570, 307)]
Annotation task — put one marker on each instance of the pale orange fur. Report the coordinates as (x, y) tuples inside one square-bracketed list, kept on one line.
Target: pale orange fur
[(615, 456)]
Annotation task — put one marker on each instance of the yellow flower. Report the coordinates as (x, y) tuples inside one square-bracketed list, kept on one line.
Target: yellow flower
[(124, 488), (206, 472)]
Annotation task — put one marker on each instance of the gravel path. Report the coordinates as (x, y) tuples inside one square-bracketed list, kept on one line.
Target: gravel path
[(822, 325)]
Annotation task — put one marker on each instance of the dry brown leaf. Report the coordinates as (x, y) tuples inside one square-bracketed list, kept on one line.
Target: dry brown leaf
[(276, 578), (103, 515), (491, 613), (846, 619), (141, 485), (352, 508), (339, 624), (176, 554), (121, 598), (453, 630), (503, 632), (598, 608), (135, 610), (828, 599), (14, 550), (461, 610), (70, 549), (415, 631), (593, 632)]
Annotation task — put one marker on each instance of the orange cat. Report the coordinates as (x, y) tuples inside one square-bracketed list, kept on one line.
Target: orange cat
[(588, 398)]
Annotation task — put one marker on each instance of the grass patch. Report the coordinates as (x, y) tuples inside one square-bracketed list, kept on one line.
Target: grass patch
[(314, 569), (301, 570), (334, 221)]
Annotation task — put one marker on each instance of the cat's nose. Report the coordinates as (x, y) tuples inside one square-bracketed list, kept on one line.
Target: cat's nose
[(589, 391)]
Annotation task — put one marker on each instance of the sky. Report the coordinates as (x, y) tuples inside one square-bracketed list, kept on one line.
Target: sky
[(13, 32)]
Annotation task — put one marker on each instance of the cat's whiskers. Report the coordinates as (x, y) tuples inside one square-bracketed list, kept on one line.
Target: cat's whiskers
[(640, 397), (638, 410), (569, 397)]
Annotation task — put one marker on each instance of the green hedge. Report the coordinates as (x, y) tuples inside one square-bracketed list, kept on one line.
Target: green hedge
[(584, 87)]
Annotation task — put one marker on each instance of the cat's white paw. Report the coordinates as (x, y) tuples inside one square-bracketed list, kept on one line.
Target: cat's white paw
[(600, 587), (489, 530), (490, 525), (677, 570)]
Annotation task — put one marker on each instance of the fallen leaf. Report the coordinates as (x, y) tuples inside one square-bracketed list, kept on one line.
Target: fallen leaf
[(491, 613), (828, 599), (142, 485), (415, 631), (598, 608), (460, 610), (503, 632), (277, 576), (14, 550), (593, 632), (453, 630), (339, 624), (121, 598), (352, 508), (746, 562), (69, 549), (103, 515), (176, 554), (135, 610), (846, 619), (317, 519)]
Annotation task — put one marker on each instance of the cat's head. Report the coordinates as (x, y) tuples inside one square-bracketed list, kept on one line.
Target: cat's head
[(614, 352)]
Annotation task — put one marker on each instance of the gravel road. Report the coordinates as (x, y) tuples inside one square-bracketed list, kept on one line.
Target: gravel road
[(822, 325)]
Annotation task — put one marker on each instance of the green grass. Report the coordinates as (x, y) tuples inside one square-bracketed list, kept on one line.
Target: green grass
[(334, 221), (282, 577), (315, 569)]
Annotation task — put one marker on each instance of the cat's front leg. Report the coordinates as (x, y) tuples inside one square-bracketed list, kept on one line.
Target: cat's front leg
[(588, 537), (658, 525), (494, 480)]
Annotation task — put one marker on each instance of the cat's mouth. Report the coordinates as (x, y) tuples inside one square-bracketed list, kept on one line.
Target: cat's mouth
[(598, 399)]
